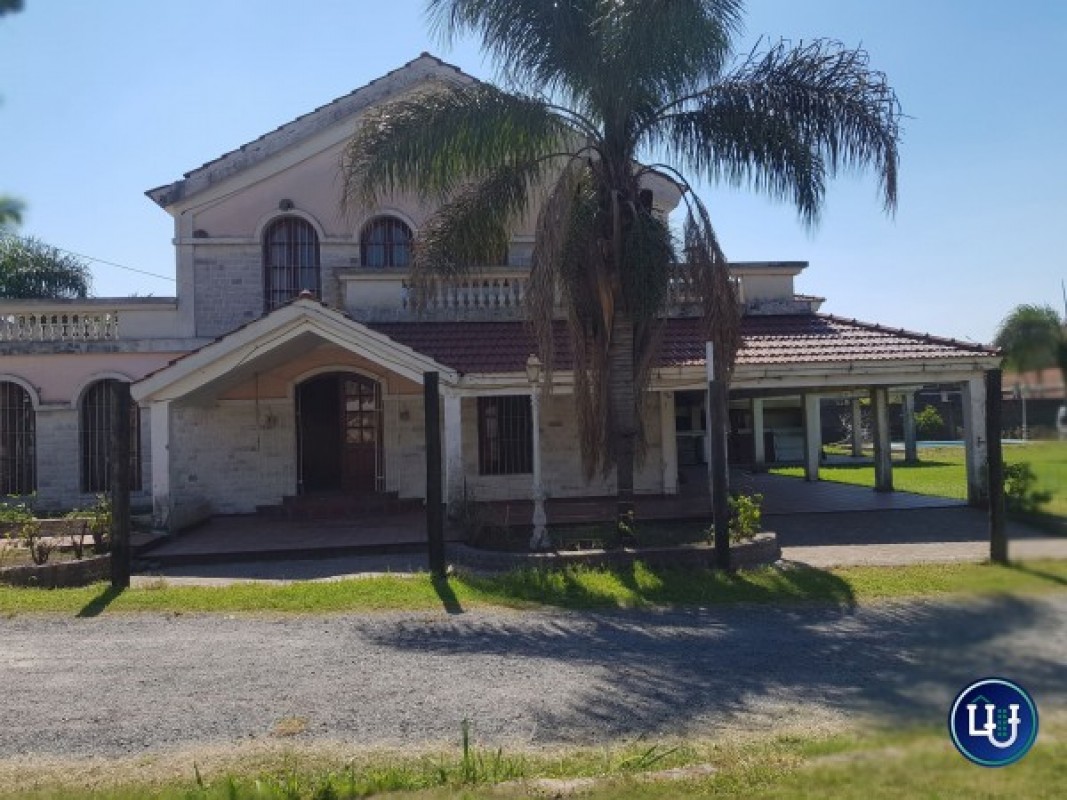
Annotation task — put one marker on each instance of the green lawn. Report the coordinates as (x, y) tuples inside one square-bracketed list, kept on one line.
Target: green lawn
[(858, 762), (941, 472), (638, 586)]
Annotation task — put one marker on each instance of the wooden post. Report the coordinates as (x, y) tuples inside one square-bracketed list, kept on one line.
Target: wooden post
[(435, 518), (120, 485), (998, 542), (883, 455), (718, 411)]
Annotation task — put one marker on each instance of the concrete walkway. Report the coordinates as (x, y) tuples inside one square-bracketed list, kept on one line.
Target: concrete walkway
[(823, 524)]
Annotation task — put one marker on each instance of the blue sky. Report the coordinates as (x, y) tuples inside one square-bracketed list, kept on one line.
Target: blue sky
[(104, 100)]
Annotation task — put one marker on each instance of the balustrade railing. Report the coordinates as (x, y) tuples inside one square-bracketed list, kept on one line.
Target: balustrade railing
[(65, 326)]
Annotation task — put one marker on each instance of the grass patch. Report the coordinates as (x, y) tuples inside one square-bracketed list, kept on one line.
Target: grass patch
[(865, 764), (636, 586), (941, 471)]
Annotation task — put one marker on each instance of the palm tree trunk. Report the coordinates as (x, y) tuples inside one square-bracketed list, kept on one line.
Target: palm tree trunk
[(623, 404)]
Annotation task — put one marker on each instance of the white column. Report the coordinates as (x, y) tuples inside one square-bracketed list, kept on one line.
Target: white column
[(857, 427), (759, 436), (453, 455), (668, 443), (812, 436), (883, 454), (159, 421), (974, 402), (911, 449), (539, 540)]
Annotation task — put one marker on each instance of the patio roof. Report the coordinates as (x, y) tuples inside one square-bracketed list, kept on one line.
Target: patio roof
[(778, 340)]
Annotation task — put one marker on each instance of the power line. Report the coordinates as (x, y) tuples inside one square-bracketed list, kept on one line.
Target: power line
[(117, 266)]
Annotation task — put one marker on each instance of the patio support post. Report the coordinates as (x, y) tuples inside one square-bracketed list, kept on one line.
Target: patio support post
[(857, 427), (998, 542), (453, 434), (974, 411), (759, 436), (718, 470), (539, 536), (159, 422), (911, 449), (435, 519), (812, 436), (883, 454), (120, 485), (668, 443)]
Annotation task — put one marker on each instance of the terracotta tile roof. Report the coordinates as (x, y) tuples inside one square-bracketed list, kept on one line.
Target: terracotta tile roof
[(781, 339)]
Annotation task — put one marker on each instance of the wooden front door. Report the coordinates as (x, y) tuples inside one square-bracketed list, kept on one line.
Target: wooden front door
[(339, 434)]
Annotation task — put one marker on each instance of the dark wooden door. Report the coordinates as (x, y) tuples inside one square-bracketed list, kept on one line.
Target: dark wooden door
[(339, 429), (362, 434)]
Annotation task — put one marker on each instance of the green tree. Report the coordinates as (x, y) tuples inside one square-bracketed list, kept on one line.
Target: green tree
[(30, 269), (1029, 337), (10, 212), (595, 91)]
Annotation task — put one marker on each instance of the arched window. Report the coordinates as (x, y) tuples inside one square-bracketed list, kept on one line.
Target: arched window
[(18, 440), (96, 439), (385, 242), (290, 261)]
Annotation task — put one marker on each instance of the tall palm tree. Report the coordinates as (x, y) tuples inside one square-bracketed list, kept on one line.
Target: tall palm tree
[(599, 93)]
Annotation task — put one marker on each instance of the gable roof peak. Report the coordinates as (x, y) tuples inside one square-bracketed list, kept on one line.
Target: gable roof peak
[(425, 67)]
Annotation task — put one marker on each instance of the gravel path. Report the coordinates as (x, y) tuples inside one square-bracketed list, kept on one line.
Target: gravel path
[(128, 684)]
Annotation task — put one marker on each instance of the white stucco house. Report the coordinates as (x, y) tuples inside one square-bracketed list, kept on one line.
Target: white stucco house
[(249, 393)]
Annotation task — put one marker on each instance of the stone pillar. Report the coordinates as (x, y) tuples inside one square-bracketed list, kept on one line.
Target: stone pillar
[(758, 434), (911, 449), (857, 427), (159, 422), (974, 414), (58, 457), (669, 443), (812, 436), (883, 454), (453, 456)]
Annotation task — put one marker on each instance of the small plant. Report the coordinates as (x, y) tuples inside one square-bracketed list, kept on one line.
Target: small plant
[(626, 527), (100, 524), (40, 547), (1020, 495), (746, 517)]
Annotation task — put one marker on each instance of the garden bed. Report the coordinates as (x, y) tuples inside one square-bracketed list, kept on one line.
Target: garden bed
[(58, 574)]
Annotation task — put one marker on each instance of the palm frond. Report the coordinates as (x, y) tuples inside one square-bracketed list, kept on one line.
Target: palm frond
[(472, 229), (437, 141), (785, 120), (707, 271)]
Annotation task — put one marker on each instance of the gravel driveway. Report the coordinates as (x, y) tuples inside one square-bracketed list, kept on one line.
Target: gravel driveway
[(127, 684)]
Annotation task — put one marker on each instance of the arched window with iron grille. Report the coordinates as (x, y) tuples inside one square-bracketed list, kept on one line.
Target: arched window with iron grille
[(290, 261), (385, 242), (18, 440), (95, 416)]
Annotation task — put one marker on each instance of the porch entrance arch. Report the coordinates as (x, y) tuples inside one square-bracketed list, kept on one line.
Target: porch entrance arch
[(339, 434)]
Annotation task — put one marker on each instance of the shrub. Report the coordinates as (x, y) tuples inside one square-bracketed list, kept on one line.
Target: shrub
[(1020, 495), (100, 524), (746, 516), (40, 547), (928, 422)]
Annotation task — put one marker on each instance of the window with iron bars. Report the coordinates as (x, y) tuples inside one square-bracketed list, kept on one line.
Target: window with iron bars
[(290, 261), (96, 439), (505, 435), (18, 440), (385, 242)]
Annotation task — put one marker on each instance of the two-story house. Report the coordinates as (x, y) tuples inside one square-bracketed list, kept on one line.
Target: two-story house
[(291, 361)]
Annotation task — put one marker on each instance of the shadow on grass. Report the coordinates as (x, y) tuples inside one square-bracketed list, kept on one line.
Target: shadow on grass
[(1037, 573), (448, 598), (642, 585), (99, 604)]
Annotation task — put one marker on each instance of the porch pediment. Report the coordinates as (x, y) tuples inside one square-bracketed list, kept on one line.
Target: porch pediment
[(282, 336)]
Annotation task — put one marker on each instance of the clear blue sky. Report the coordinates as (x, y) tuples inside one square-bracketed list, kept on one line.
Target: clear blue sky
[(103, 100)]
